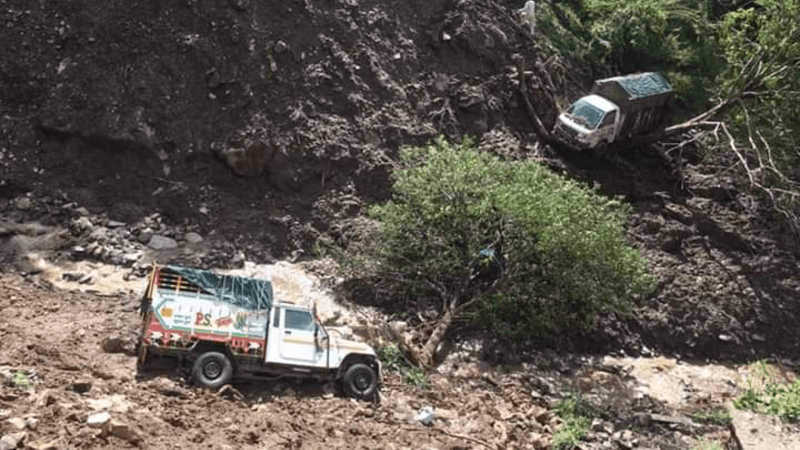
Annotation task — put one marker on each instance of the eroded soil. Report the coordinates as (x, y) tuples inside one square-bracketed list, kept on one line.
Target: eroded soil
[(70, 360), (113, 115)]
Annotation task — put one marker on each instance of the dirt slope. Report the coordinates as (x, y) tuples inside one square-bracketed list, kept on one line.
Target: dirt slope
[(123, 106), (109, 100), (68, 380)]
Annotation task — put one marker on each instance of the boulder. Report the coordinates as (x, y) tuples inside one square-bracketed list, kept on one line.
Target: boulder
[(16, 423), (12, 440), (124, 431), (158, 242), (193, 238)]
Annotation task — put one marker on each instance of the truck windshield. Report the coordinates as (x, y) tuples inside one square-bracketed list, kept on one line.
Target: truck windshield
[(586, 114)]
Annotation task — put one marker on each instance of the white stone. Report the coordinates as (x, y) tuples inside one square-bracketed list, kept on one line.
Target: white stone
[(11, 441), (98, 420)]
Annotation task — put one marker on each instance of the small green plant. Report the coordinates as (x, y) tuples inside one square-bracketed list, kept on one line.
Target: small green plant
[(391, 357), (749, 400), (767, 395), (718, 416), (416, 377), (577, 413), (21, 380), (707, 445)]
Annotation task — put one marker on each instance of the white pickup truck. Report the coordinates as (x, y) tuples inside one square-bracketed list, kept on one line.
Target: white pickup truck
[(223, 326)]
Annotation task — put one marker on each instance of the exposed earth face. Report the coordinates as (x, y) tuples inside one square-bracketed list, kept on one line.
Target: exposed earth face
[(261, 126), (130, 108)]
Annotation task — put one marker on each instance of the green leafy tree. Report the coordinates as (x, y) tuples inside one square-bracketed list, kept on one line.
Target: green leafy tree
[(762, 47), (522, 251), (675, 37)]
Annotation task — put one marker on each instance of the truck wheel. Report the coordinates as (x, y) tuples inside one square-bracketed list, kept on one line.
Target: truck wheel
[(360, 381), (212, 370)]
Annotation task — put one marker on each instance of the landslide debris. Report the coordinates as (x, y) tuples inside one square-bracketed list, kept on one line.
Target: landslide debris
[(125, 112), (63, 386)]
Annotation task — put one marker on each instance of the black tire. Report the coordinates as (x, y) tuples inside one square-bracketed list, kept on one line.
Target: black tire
[(360, 381), (212, 370)]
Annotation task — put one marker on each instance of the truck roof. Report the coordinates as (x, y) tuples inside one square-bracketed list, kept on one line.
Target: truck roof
[(244, 292), (640, 85), (600, 102)]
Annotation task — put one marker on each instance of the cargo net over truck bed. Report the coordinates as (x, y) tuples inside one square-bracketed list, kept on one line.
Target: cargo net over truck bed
[(244, 292)]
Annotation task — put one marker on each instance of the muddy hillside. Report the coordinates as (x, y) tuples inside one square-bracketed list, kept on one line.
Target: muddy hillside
[(262, 126)]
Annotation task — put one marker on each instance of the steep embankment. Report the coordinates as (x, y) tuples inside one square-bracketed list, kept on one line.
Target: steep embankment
[(112, 100), (121, 107)]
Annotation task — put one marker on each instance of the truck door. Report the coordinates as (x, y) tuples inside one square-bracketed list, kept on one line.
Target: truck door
[(607, 128), (296, 337)]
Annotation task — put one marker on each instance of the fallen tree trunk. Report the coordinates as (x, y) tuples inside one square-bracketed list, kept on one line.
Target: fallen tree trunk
[(542, 131)]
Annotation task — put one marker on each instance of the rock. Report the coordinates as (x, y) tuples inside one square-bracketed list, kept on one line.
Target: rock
[(12, 440), (625, 439), (240, 5), (24, 204), (5, 414), (51, 445), (17, 423), (31, 422), (539, 441), (115, 224), (193, 238), (119, 344), (754, 431), (98, 420), (597, 425), (555, 422), (426, 416), (145, 236), (542, 415), (725, 337), (82, 386), (642, 419), (757, 337), (78, 250), (82, 211), (280, 47), (99, 234), (672, 420), (129, 259), (124, 431), (158, 242), (82, 224), (70, 276)]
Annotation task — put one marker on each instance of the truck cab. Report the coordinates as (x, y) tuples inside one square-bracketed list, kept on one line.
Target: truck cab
[(223, 327), (588, 122)]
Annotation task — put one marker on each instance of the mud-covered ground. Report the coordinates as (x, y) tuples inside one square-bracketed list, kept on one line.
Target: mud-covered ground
[(127, 108), (68, 379)]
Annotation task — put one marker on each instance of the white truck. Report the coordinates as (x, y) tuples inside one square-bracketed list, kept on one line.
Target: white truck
[(223, 326), (618, 109)]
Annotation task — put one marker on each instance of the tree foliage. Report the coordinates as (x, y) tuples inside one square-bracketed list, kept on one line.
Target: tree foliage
[(520, 250), (766, 40), (675, 37), (761, 45)]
